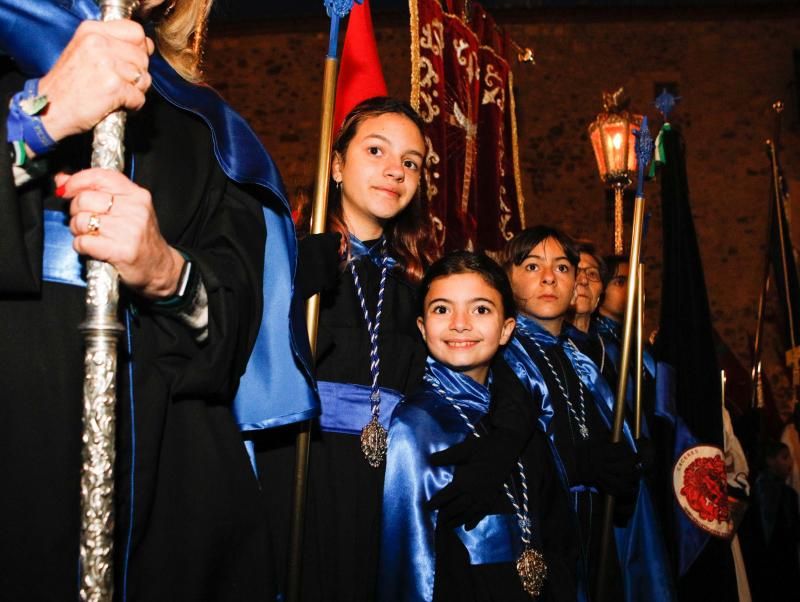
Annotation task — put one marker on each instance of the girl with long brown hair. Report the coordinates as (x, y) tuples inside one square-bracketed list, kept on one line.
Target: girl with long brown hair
[(369, 351)]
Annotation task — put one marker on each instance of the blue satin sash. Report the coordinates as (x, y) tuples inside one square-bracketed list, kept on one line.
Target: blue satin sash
[(60, 262), (585, 368), (359, 250), (423, 424), (611, 331), (497, 538), (346, 408), (665, 392), (640, 548), (277, 387), (646, 574)]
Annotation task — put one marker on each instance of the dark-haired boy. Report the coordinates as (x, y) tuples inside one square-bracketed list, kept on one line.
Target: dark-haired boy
[(576, 401), (608, 324)]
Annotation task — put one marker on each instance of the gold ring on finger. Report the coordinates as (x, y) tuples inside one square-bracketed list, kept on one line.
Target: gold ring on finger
[(93, 227)]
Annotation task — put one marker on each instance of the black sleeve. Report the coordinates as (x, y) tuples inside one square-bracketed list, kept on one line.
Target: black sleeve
[(317, 263), (228, 250), (512, 408), (482, 465)]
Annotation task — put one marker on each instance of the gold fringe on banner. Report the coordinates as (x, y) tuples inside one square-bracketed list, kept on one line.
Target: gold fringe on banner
[(414, 10), (515, 150)]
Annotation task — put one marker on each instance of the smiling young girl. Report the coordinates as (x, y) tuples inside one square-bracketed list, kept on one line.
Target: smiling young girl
[(466, 315), (369, 352)]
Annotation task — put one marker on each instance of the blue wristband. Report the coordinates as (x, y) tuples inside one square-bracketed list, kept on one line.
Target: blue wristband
[(24, 124)]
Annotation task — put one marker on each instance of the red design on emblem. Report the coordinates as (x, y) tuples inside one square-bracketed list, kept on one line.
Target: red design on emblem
[(706, 489)]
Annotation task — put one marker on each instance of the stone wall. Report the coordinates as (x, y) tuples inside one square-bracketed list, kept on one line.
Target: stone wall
[(728, 68)]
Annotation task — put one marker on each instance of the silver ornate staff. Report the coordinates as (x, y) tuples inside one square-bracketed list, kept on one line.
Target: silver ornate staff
[(101, 331)]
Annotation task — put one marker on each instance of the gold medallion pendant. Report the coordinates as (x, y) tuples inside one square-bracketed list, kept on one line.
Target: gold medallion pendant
[(532, 571), (374, 442)]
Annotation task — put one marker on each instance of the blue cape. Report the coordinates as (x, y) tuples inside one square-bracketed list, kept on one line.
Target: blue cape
[(587, 371), (612, 352), (423, 424), (277, 387), (611, 333), (641, 550)]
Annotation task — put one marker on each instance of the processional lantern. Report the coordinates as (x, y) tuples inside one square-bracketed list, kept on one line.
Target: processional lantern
[(614, 147)]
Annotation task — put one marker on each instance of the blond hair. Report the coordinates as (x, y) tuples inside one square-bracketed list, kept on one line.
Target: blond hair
[(180, 35)]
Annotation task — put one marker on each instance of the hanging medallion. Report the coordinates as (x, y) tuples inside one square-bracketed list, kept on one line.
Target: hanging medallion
[(532, 571), (374, 442)]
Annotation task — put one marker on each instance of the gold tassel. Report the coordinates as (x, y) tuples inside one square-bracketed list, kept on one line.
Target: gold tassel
[(618, 223)]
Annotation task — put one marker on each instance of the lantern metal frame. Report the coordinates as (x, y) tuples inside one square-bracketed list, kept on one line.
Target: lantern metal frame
[(616, 161)]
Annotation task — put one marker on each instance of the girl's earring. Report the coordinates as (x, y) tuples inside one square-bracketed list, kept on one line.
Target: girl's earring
[(339, 185)]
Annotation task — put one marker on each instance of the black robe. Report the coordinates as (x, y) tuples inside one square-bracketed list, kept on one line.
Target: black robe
[(588, 504), (562, 384), (187, 518), (342, 529), (770, 536), (457, 579), (423, 557)]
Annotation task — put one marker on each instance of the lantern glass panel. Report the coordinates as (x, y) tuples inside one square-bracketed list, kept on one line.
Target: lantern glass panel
[(616, 135), (614, 146), (635, 124), (595, 135)]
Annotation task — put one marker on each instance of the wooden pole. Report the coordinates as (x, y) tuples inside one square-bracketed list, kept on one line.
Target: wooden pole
[(644, 152), (637, 424), (319, 214), (622, 385)]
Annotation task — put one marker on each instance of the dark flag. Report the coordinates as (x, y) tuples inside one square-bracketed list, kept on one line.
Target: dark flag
[(784, 268), (688, 372), (685, 337)]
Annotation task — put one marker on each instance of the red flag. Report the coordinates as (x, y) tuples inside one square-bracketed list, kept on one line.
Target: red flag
[(360, 74)]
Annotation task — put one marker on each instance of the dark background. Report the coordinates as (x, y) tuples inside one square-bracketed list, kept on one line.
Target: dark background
[(233, 11), (728, 60)]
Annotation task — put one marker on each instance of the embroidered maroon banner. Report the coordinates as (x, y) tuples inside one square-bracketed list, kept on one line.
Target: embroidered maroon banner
[(462, 86)]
